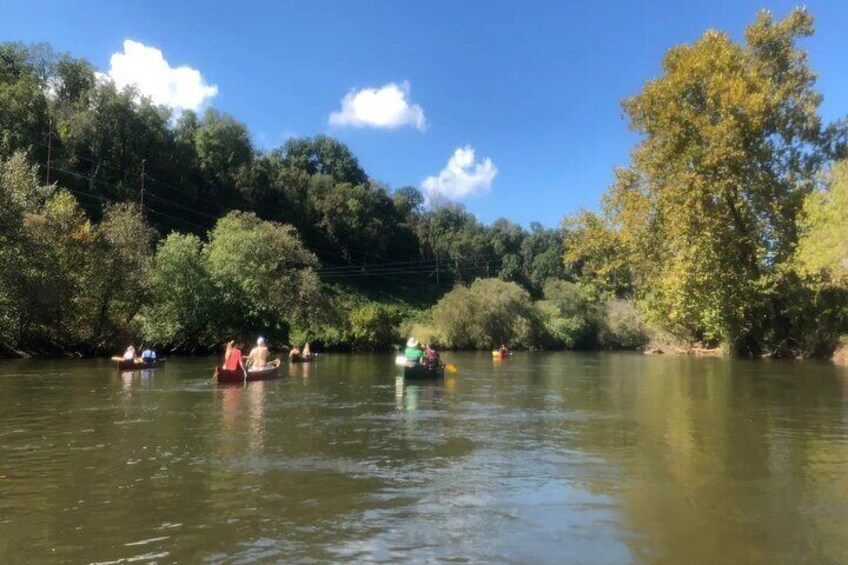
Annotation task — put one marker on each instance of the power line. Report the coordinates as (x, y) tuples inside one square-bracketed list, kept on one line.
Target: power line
[(110, 201), (398, 275), (418, 266)]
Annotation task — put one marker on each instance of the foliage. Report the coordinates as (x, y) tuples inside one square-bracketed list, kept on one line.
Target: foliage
[(486, 314), (717, 228), (374, 327), (262, 273), (119, 274), (823, 245), (621, 326), (570, 316), (19, 194), (707, 211), (323, 155), (183, 312), (350, 320), (595, 254)]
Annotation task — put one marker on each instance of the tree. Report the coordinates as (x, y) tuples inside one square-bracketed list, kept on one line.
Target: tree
[(56, 277), (223, 146), (541, 256), (102, 146), (409, 202), (23, 109), (570, 317), (708, 209), (823, 246), (324, 155), (20, 194), (183, 311), (74, 80), (263, 275), (120, 273), (595, 254)]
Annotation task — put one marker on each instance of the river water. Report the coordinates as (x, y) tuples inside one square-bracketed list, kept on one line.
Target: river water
[(546, 458)]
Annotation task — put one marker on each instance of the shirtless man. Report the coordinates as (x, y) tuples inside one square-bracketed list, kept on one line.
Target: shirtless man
[(258, 358)]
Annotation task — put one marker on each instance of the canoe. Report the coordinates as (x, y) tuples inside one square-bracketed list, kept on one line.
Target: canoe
[(421, 371), (133, 366), (498, 356), (302, 358), (237, 376)]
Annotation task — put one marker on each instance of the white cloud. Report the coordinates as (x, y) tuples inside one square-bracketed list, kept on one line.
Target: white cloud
[(388, 107), (179, 88), (462, 176)]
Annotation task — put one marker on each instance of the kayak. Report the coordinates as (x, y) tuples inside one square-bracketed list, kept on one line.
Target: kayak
[(133, 366), (422, 371), (301, 358), (498, 356), (237, 376)]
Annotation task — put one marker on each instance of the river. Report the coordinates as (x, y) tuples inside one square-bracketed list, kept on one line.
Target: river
[(545, 458)]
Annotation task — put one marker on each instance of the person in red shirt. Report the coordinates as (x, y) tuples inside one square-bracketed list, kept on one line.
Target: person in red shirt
[(233, 358)]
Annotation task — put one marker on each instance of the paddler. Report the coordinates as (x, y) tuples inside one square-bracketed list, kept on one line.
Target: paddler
[(258, 358), (413, 352)]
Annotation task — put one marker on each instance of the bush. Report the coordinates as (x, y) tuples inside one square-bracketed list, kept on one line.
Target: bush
[(349, 320), (569, 315), (374, 327), (487, 313), (622, 326)]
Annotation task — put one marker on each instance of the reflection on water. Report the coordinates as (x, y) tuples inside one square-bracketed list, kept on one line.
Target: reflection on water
[(602, 458)]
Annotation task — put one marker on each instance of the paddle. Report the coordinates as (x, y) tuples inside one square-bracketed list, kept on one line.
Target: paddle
[(451, 368)]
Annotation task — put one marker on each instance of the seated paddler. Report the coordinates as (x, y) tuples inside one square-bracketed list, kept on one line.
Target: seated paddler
[(413, 352)]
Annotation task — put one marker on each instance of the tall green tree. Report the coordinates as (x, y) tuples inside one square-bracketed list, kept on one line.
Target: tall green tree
[(732, 143), (182, 312), (264, 276), (325, 155), (21, 194)]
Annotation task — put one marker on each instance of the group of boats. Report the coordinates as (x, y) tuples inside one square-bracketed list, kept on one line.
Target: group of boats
[(417, 371), (220, 374)]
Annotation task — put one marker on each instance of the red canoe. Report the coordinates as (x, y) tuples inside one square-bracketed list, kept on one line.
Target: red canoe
[(237, 376)]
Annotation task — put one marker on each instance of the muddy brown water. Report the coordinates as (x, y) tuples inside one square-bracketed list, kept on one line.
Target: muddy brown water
[(545, 458)]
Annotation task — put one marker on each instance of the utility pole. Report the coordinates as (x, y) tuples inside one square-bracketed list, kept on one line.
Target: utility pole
[(49, 149), (143, 161)]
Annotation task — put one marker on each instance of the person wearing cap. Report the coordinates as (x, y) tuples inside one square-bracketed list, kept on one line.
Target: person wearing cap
[(258, 358), (413, 353)]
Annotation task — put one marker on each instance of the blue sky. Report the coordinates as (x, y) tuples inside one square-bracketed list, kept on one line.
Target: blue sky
[(534, 87)]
